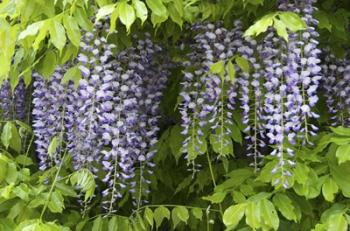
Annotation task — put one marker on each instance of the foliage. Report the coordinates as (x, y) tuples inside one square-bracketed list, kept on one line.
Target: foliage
[(221, 190)]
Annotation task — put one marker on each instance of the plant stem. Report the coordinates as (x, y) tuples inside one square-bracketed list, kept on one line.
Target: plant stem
[(52, 186), (213, 178)]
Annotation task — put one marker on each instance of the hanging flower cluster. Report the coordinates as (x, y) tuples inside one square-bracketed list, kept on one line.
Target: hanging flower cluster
[(111, 119), (13, 103), (336, 72), (207, 102), (276, 94), (293, 75), (50, 115)]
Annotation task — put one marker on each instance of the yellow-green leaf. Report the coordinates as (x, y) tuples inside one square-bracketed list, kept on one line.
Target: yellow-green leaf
[(329, 189), (234, 214), (57, 34), (126, 14)]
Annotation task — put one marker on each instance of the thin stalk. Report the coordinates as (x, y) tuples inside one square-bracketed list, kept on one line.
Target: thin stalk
[(52, 187), (213, 179)]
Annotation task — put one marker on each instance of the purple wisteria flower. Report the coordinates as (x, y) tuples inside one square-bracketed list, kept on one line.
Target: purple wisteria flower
[(292, 74), (336, 84), (13, 103), (208, 99)]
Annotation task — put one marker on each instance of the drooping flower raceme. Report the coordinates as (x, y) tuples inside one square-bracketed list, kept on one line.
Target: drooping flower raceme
[(208, 98), (50, 102), (336, 84), (111, 119), (13, 104), (292, 78)]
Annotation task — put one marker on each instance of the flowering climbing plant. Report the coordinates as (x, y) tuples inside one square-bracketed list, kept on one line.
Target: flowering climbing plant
[(174, 115)]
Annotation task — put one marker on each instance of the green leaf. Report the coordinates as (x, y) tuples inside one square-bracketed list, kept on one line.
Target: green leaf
[(156, 19), (47, 65), (42, 34), (269, 214), (329, 189), (12, 173), (260, 26), (341, 131), (343, 153), (149, 216), (252, 215), (234, 214), (82, 19), (102, 2), (126, 14), (175, 15), (301, 172), (10, 137), (230, 69), (337, 222), (6, 134), (197, 213), (8, 40), (323, 19), (159, 214), (54, 144), (97, 225), (141, 10), (3, 168), (281, 29), (339, 173), (196, 146), (66, 190), (176, 141), (285, 205), (218, 67), (157, 7), (216, 198), (24, 126), (113, 20), (57, 35), (24, 160), (292, 21), (31, 30), (22, 191), (73, 30), (243, 64), (104, 11), (179, 213), (56, 203), (221, 143), (113, 224), (73, 74), (84, 179)]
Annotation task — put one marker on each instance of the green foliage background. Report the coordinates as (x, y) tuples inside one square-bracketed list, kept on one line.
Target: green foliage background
[(226, 194)]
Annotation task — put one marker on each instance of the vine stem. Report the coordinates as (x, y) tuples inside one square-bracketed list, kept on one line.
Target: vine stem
[(213, 179), (52, 186)]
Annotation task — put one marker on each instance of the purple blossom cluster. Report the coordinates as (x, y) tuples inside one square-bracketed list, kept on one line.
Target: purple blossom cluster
[(207, 103), (51, 116), (13, 103), (251, 96), (336, 84), (277, 95), (292, 73), (110, 121)]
